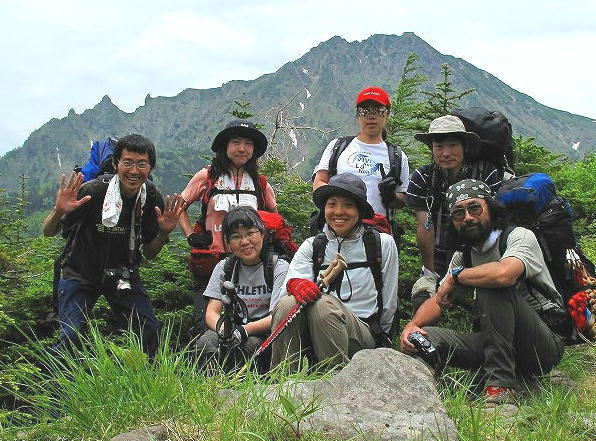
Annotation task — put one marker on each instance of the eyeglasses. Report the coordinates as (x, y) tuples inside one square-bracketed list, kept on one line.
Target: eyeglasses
[(371, 112), (459, 213), (236, 238), (128, 164)]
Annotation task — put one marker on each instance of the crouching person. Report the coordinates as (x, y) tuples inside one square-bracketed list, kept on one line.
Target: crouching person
[(505, 270), (257, 275), (358, 311), (106, 223)]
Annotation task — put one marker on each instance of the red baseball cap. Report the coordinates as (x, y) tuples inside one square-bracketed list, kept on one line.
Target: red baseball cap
[(375, 94)]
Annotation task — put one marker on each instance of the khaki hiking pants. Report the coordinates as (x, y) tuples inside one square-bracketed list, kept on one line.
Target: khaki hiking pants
[(326, 331)]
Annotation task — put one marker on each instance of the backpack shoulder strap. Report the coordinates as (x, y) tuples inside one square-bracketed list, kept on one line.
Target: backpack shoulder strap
[(503, 239), (372, 247), (318, 253), (260, 188), (207, 195), (269, 269), (338, 148), (394, 152), (230, 269)]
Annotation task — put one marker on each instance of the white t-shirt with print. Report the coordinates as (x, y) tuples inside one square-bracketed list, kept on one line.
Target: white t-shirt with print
[(364, 160)]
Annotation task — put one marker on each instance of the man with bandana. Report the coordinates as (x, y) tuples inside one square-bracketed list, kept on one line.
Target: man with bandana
[(106, 223), (512, 291)]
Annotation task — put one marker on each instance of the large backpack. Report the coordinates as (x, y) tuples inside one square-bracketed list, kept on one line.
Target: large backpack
[(532, 202), (374, 260), (100, 159), (496, 139), (201, 261)]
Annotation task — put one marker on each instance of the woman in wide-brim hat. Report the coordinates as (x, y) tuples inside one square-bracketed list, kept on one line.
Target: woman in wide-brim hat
[(336, 325), (232, 179)]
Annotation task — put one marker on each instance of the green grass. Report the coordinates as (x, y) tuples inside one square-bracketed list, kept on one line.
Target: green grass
[(107, 388)]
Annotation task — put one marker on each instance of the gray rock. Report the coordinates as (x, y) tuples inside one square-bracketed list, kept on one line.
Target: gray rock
[(381, 394), (151, 433)]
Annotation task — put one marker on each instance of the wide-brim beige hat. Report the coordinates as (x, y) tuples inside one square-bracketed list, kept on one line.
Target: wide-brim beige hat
[(446, 125)]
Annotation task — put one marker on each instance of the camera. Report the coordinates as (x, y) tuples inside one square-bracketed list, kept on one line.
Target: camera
[(119, 278), (422, 343)]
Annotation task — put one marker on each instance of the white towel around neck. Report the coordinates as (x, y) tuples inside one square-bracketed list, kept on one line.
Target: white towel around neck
[(112, 206)]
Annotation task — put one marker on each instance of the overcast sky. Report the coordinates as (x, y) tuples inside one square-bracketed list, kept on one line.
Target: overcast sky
[(62, 54)]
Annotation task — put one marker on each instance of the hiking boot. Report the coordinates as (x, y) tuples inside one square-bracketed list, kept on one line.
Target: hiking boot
[(499, 395)]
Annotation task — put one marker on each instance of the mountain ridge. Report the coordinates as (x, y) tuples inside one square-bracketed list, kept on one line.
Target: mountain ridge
[(182, 126)]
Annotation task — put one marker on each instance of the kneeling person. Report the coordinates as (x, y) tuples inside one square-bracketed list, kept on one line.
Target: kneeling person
[(513, 290), (245, 235), (358, 312)]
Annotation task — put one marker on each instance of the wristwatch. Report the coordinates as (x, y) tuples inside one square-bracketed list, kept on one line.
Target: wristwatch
[(455, 272)]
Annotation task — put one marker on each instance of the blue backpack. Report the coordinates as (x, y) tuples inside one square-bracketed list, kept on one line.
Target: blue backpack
[(100, 159)]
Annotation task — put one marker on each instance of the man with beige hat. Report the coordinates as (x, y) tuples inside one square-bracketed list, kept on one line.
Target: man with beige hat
[(453, 149)]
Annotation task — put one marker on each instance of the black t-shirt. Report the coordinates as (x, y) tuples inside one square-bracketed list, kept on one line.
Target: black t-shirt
[(96, 247)]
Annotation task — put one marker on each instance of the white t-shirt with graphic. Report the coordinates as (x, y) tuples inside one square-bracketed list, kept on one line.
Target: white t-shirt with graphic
[(364, 160)]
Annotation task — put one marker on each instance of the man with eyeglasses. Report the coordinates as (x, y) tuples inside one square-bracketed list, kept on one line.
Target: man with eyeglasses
[(367, 155), (512, 289), (107, 222)]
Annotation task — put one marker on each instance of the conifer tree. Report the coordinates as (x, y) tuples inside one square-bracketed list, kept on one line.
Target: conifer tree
[(407, 111), (444, 97)]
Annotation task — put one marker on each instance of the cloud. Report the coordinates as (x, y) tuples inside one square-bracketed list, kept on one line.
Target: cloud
[(67, 53)]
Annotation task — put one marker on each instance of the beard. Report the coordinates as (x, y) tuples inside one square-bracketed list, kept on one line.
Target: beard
[(474, 233)]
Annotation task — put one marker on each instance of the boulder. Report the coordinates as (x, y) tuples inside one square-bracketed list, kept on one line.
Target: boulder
[(151, 433), (381, 394)]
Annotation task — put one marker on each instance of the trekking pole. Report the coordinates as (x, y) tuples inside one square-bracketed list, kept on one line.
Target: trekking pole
[(335, 267)]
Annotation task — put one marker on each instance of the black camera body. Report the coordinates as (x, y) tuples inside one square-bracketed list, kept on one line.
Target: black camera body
[(423, 344), (118, 278)]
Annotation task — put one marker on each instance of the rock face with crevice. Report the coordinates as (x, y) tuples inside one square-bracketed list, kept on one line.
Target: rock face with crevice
[(380, 395)]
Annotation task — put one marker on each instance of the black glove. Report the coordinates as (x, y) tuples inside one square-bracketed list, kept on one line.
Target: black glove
[(387, 188), (239, 336), (201, 241)]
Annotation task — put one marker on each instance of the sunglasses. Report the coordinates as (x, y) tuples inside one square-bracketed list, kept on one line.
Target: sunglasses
[(459, 213), (371, 112)]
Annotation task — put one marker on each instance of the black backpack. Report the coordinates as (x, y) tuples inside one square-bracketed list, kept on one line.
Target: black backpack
[(374, 259), (393, 152), (496, 139)]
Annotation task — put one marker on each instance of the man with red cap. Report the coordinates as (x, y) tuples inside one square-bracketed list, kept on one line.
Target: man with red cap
[(382, 166)]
